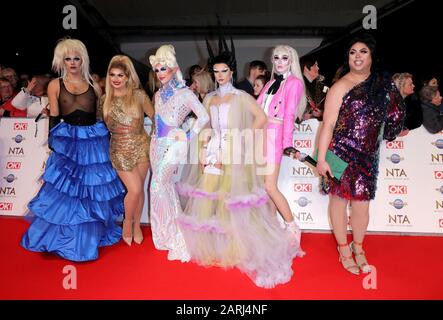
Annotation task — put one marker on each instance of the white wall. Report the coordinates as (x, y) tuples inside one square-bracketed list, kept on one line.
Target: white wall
[(194, 51)]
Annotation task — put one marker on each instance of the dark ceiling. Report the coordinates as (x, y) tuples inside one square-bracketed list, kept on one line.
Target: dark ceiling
[(407, 31)]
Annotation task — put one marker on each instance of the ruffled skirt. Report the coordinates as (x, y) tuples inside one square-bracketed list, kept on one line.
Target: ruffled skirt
[(241, 229), (75, 210)]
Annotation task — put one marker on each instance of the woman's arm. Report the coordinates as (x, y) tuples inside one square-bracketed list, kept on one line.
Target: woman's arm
[(147, 106), (293, 92), (333, 102), (53, 93), (199, 110)]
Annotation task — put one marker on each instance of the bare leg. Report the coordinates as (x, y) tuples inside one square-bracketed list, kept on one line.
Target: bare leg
[(276, 196), (134, 192), (339, 221), (359, 223), (142, 170), (359, 220)]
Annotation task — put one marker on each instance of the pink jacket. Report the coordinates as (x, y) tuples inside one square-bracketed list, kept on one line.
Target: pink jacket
[(283, 106)]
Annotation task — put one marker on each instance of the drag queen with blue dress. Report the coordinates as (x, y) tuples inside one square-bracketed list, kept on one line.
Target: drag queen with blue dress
[(75, 210), (173, 102)]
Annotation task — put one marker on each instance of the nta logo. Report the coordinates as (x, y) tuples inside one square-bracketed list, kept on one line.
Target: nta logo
[(7, 191), (304, 217), (399, 219), (437, 158), (303, 128), (302, 172), (16, 151), (396, 173)]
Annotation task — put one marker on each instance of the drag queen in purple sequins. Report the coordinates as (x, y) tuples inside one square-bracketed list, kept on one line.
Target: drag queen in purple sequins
[(173, 102), (361, 110)]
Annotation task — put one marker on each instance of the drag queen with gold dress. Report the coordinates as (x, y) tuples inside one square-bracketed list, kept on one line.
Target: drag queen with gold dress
[(124, 106)]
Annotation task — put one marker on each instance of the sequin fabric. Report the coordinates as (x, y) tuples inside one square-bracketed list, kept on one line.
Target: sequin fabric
[(129, 140), (371, 111), (166, 154)]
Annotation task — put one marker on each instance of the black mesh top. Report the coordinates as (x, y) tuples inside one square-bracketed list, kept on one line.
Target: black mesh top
[(77, 109)]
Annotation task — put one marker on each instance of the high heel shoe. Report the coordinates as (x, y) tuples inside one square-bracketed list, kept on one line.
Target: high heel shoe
[(138, 235), (360, 257), (127, 239), (350, 267)]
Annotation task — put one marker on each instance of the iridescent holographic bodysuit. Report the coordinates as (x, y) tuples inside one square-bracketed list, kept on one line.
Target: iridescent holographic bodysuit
[(173, 102)]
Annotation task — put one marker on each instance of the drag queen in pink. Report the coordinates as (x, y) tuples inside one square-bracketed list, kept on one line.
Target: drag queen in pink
[(173, 102), (283, 98)]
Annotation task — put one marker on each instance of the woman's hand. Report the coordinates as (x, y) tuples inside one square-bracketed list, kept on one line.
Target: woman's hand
[(292, 153), (179, 135), (323, 168), (31, 85), (202, 155)]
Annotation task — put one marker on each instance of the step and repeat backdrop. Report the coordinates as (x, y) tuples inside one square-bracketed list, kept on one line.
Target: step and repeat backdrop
[(409, 196)]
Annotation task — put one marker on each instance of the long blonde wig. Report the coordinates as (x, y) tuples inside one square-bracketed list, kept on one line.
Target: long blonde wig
[(131, 102), (295, 70), (62, 49), (165, 56)]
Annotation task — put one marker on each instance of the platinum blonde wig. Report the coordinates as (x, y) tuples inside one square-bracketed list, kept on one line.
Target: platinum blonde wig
[(65, 47), (165, 56), (295, 70)]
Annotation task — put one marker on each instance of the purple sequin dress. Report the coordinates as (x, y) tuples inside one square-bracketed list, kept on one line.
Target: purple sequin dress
[(371, 111)]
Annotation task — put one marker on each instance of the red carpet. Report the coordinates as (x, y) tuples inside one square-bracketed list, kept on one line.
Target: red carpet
[(407, 268)]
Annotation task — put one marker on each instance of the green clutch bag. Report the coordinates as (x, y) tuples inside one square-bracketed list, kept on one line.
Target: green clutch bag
[(337, 165)]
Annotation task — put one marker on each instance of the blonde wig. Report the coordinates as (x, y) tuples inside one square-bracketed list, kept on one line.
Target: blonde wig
[(165, 56), (63, 48), (131, 102), (295, 70)]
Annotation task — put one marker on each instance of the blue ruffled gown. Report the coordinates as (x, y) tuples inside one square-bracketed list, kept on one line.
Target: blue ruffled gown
[(74, 212)]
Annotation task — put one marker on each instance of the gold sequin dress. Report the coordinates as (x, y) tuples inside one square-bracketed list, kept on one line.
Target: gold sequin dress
[(129, 140)]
